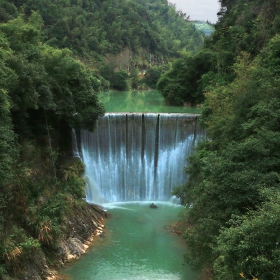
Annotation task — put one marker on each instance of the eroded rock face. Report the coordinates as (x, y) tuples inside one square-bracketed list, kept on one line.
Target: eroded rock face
[(79, 233), (71, 248), (79, 230), (36, 268)]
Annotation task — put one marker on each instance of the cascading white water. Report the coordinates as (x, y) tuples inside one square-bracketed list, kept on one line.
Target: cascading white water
[(75, 144), (132, 157)]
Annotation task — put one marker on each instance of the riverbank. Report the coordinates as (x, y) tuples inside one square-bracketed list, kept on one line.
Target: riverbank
[(80, 232), (179, 228)]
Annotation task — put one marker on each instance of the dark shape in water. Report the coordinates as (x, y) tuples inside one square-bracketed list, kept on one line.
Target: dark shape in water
[(152, 205)]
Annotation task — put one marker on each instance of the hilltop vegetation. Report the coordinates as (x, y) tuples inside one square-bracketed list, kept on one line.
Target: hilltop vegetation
[(112, 36), (43, 92), (232, 226)]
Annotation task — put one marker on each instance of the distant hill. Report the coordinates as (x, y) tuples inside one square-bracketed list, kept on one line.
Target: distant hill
[(94, 29), (204, 26)]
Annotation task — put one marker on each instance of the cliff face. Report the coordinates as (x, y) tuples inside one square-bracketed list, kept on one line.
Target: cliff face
[(78, 233)]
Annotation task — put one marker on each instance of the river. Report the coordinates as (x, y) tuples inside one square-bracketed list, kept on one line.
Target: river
[(138, 244)]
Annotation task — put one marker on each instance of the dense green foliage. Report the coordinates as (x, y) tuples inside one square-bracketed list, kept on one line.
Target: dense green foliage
[(242, 27), (153, 74), (121, 34), (181, 83), (232, 195), (44, 92)]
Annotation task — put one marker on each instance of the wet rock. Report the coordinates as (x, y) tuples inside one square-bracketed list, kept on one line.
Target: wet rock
[(152, 205)]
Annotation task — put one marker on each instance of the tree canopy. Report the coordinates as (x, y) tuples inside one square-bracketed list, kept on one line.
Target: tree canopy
[(92, 29), (44, 92), (232, 195)]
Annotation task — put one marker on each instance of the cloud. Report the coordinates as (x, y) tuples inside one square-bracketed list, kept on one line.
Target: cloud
[(199, 9)]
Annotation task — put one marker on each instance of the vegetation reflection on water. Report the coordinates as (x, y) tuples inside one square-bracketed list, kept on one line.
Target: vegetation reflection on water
[(137, 244), (146, 101)]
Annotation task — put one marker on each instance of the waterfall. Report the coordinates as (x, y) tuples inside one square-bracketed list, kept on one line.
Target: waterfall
[(75, 144), (136, 157)]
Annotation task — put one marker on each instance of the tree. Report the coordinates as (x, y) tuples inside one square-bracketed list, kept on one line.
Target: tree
[(181, 83), (85, 27), (234, 173), (119, 80), (7, 136), (153, 74), (250, 246), (44, 92)]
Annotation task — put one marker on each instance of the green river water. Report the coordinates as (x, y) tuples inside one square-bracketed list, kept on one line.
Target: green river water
[(138, 244)]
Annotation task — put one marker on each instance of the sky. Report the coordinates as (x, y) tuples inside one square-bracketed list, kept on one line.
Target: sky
[(198, 9)]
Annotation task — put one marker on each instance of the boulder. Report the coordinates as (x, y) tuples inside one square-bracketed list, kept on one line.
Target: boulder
[(152, 205)]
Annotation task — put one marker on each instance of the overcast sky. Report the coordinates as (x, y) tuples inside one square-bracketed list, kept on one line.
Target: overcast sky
[(198, 9)]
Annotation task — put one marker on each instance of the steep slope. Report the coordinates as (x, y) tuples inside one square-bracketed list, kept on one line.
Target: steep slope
[(93, 29), (231, 228)]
